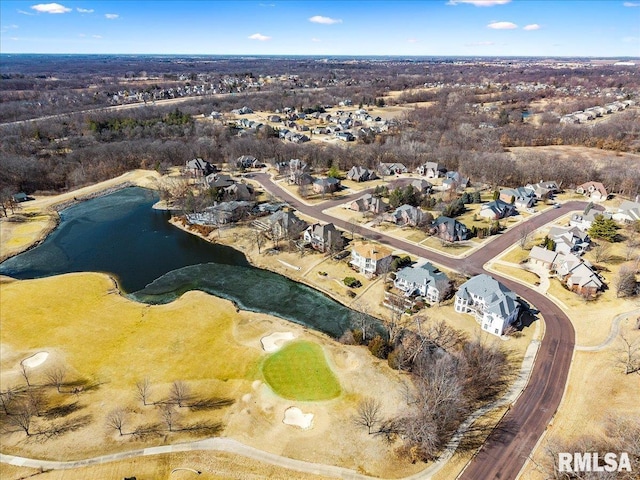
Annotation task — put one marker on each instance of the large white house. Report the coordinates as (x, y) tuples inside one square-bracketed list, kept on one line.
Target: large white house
[(425, 280), (494, 305)]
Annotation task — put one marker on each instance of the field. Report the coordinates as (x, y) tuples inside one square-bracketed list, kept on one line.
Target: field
[(107, 343), (299, 371)]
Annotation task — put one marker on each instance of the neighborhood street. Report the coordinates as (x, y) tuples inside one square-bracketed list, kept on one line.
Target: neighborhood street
[(512, 441)]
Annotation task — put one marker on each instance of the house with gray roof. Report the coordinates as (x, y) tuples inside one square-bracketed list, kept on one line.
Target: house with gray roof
[(323, 238), (628, 212), (494, 306), (326, 185), (578, 275), (497, 209), (455, 181), (431, 170), (199, 168), (583, 221), (543, 189), (449, 229), (426, 281), (281, 224), (218, 180), (221, 213), (368, 203), (361, 174), (569, 239), (386, 169), (406, 215), (422, 186), (521, 197)]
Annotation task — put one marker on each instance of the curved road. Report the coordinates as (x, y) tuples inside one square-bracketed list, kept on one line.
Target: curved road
[(506, 450)]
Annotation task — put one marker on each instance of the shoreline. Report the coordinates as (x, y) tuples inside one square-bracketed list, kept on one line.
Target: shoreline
[(263, 266)]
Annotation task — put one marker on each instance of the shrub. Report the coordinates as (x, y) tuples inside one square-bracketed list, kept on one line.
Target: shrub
[(351, 294), (379, 347), (352, 282)]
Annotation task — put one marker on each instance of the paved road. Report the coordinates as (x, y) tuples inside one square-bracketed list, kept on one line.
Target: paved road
[(506, 450)]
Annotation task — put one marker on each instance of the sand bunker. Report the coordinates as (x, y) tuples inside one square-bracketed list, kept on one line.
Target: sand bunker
[(294, 416), (274, 342), (35, 360)]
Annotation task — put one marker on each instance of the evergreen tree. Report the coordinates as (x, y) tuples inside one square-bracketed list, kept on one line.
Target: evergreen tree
[(603, 228)]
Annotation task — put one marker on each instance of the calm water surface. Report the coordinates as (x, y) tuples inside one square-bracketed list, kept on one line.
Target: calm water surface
[(155, 262)]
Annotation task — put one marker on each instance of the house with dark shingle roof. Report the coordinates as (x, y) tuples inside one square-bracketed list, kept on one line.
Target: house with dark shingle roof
[(449, 229), (323, 237)]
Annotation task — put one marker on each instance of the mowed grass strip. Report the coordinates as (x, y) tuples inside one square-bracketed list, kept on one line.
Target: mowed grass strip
[(299, 371)]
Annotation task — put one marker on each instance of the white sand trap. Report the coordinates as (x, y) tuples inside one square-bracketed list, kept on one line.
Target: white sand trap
[(34, 360), (274, 342), (294, 416)]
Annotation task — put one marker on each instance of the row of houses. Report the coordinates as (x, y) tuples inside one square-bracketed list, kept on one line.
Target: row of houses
[(582, 116)]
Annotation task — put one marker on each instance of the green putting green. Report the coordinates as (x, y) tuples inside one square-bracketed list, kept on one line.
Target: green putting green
[(299, 371)]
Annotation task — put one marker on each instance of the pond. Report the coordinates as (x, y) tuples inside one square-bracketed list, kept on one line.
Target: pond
[(155, 262)]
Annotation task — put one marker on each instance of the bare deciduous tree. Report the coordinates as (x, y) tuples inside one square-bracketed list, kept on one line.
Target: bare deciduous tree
[(628, 353), (602, 252), (116, 419), (7, 397), (22, 417), (524, 233), (625, 282), (26, 374), (55, 377), (143, 390), (169, 415), (368, 414), (180, 393)]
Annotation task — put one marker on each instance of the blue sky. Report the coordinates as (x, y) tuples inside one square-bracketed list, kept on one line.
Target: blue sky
[(595, 28)]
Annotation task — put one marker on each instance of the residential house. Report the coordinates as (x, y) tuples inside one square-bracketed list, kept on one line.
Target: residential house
[(218, 180), (569, 239), (386, 169), (426, 281), (584, 220), (326, 185), (370, 259), (368, 203), (406, 215), (455, 181), (578, 275), (238, 191), (345, 136), (323, 237), (497, 209), (543, 189), (221, 213), (422, 186), (248, 161), (281, 224), (449, 229), (274, 118), (19, 197), (521, 197), (494, 306), (594, 190), (543, 257), (628, 212), (431, 170), (199, 168), (361, 174)]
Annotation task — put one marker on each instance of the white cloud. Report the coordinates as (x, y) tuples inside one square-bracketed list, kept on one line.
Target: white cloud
[(96, 36), (267, 4), (479, 44), (111, 16), (412, 40), (316, 40), (259, 36), (324, 20), (533, 26), (50, 8), (502, 25), (85, 10), (22, 12), (480, 3), (631, 4), (631, 39), (81, 35)]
